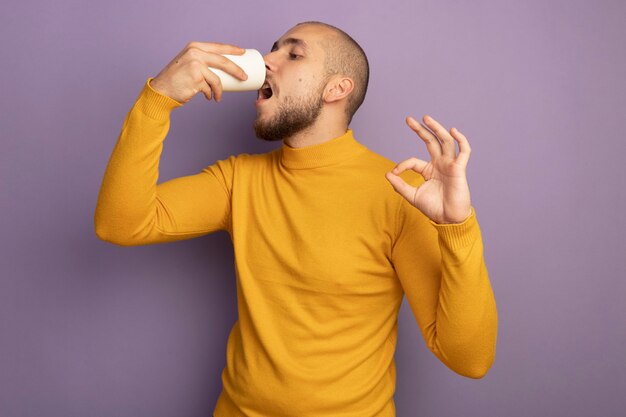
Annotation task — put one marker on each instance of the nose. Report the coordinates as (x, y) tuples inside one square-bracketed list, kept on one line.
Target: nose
[(270, 65)]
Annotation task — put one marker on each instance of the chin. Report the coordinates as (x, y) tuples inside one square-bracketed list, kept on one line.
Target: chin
[(261, 131)]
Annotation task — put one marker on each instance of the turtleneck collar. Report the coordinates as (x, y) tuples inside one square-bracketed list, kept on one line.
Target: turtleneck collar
[(321, 154)]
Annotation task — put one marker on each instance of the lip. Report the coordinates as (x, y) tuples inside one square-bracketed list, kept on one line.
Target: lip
[(260, 101)]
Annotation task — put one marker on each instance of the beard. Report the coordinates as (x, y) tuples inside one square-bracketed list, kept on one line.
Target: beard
[(293, 116)]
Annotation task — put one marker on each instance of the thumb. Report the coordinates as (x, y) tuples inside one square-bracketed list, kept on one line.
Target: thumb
[(401, 187)]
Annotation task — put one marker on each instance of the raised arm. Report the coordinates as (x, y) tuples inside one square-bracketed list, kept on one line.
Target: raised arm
[(132, 209)]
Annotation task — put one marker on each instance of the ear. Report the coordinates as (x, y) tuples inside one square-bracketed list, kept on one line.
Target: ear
[(338, 89)]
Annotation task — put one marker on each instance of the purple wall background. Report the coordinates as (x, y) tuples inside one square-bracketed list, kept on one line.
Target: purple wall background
[(91, 329)]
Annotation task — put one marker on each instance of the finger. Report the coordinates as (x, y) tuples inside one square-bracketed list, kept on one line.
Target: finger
[(464, 146), (414, 164), (213, 84), (401, 187), (224, 64), (447, 142), (432, 144), (205, 87), (218, 61), (217, 47)]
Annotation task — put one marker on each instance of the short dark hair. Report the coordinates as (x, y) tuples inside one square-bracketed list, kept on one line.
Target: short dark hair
[(346, 57)]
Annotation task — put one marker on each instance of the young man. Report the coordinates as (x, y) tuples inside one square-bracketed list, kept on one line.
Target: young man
[(328, 236)]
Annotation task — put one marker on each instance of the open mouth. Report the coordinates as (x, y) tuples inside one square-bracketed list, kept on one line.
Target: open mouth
[(265, 92)]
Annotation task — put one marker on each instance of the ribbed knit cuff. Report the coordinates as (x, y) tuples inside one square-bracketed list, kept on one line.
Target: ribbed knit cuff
[(458, 235), (154, 104)]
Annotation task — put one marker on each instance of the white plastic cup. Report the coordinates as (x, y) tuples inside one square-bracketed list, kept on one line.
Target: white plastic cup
[(253, 65)]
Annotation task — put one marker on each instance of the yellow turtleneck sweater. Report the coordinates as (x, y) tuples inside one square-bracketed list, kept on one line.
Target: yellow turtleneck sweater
[(325, 250)]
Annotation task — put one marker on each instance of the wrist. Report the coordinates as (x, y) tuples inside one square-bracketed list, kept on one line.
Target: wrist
[(456, 220), (155, 86), (458, 235)]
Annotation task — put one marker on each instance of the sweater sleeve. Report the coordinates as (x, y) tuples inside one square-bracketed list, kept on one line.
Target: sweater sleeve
[(132, 209), (444, 276)]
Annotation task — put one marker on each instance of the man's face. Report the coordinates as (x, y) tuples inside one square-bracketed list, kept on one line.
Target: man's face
[(296, 76)]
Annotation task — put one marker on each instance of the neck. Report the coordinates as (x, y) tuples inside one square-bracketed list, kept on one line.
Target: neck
[(321, 131), (329, 152)]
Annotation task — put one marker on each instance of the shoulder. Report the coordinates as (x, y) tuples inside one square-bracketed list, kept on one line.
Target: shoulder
[(256, 158), (246, 159), (379, 165)]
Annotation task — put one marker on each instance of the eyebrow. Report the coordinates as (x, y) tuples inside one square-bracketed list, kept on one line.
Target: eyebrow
[(291, 41)]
